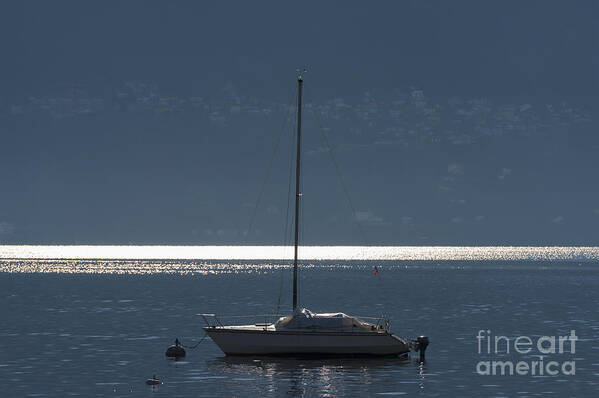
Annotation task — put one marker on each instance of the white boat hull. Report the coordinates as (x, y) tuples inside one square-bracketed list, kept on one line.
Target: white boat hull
[(256, 341)]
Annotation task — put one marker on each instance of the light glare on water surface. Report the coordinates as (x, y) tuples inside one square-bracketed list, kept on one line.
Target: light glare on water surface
[(233, 259), (426, 253)]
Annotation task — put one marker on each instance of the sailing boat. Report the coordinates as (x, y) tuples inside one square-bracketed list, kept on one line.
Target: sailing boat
[(304, 332)]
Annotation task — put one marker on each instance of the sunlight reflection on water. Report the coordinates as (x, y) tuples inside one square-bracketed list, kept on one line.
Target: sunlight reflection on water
[(228, 259), (440, 253)]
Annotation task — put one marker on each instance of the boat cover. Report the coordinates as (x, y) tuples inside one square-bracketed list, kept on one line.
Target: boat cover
[(305, 319)]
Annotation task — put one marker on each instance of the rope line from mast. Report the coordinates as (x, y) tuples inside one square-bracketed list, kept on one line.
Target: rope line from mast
[(287, 231), (287, 234), (329, 150), (267, 176)]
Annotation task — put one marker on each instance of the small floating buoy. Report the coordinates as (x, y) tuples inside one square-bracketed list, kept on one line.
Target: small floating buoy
[(175, 351), (154, 381)]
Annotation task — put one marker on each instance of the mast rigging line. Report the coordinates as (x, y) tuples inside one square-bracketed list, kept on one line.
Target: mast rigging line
[(287, 231), (329, 150), (287, 234), (268, 172)]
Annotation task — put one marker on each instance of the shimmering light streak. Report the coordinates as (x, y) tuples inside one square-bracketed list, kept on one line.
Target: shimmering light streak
[(207, 260), (430, 253)]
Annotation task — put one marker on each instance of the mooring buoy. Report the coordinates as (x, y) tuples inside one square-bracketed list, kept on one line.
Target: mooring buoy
[(175, 351)]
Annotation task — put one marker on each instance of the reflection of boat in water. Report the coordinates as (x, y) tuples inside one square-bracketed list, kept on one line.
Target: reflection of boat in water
[(304, 332), (290, 364), (321, 376)]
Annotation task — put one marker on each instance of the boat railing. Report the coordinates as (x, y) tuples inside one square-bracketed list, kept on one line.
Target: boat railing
[(382, 321), (213, 320)]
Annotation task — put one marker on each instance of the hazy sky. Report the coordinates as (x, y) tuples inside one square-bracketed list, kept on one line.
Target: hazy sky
[(485, 47), (134, 178)]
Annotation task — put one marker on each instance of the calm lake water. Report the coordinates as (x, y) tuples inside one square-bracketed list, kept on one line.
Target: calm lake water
[(73, 325)]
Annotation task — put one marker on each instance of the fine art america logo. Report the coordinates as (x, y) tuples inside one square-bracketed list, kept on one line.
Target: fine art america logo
[(541, 349)]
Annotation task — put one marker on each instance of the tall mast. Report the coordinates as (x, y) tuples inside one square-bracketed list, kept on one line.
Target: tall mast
[(298, 194)]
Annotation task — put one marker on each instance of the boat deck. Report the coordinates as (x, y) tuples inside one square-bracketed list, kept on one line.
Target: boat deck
[(271, 329)]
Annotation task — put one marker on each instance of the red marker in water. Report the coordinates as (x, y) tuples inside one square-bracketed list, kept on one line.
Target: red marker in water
[(376, 271)]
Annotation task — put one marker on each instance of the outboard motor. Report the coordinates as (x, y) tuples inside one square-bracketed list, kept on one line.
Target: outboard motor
[(420, 345), (175, 351)]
